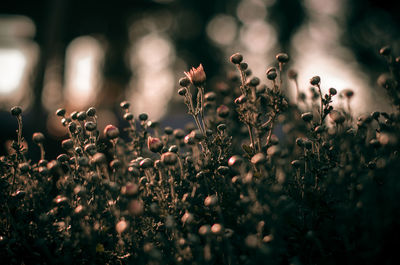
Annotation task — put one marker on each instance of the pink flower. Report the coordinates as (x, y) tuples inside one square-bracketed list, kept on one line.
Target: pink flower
[(196, 75)]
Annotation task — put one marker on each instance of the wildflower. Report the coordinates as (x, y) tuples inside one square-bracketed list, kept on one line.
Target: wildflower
[(197, 76)]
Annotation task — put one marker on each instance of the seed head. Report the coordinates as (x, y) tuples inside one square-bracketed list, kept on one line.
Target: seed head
[(236, 58), (197, 76)]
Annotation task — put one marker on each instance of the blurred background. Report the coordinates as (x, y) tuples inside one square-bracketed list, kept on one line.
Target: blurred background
[(75, 54)]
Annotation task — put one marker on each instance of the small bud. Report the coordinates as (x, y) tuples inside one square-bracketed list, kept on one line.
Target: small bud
[(316, 80), (332, 91), (90, 126), (255, 81), (243, 66), (236, 58), (307, 117), (125, 105), (111, 132), (168, 130), (91, 149), (184, 81), (16, 111), (282, 57), (38, 138), (81, 116), (223, 111), (154, 144), (74, 115), (143, 116), (182, 91), (128, 116), (67, 144), (91, 112), (169, 158), (179, 134), (60, 112), (271, 73)]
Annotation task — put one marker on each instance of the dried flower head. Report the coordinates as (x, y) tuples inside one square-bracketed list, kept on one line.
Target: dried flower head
[(197, 76)]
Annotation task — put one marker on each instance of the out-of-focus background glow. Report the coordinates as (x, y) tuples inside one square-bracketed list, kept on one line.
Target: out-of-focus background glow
[(84, 57), (75, 54)]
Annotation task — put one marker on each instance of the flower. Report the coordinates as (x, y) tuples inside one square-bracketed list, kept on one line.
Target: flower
[(197, 76)]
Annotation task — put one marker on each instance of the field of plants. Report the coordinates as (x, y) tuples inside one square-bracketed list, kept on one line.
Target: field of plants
[(255, 179)]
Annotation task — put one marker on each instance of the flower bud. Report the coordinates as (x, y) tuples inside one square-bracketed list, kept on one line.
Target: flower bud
[(184, 81), (236, 58), (38, 138), (91, 112), (125, 105), (332, 91), (16, 111), (111, 132), (60, 112), (223, 111), (282, 57), (169, 158), (154, 144), (315, 80), (271, 73), (307, 117)]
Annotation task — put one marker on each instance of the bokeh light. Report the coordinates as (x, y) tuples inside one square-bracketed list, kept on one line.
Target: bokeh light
[(84, 57)]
